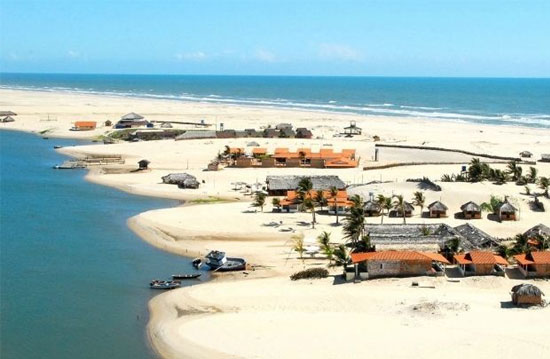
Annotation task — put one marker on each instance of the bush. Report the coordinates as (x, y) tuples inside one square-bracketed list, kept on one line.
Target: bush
[(311, 273)]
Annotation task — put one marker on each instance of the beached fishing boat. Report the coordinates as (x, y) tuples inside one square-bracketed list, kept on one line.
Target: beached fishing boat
[(197, 263), (218, 261), (186, 276), (164, 284)]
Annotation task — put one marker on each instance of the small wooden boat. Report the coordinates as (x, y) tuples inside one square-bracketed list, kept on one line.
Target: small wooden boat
[(164, 284), (57, 146), (186, 276)]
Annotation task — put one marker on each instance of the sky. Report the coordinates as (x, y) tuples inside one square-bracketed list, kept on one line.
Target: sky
[(462, 38)]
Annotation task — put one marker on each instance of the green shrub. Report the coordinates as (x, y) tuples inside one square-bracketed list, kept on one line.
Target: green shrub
[(311, 273)]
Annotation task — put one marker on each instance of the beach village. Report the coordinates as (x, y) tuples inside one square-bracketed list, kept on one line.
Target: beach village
[(323, 209)]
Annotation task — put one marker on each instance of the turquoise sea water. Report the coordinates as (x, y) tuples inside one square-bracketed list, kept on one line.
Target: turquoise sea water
[(73, 276), (503, 101)]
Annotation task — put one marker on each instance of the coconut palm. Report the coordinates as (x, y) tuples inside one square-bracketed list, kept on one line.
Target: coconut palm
[(514, 170), (309, 205), (493, 205), (357, 201), (276, 202), (476, 170), (399, 205), (305, 186), (259, 200), (521, 244), (419, 200), (324, 242), (298, 245), (342, 256), (385, 204), (320, 198), (532, 175), (354, 228), (544, 183), (333, 194)]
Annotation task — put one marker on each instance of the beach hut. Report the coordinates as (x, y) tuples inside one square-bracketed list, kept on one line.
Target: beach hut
[(408, 209), (143, 165), (283, 126), (399, 263), (287, 133), (371, 209), (507, 212), (279, 185), (7, 119), (475, 237), (480, 263), (131, 120), (545, 157), (471, 210), (108, 123), (437, 210), (183, 180), (302, 132), (526, 294), (352, 129), (525, 154), (84, 126), (536, 231), (534, 264)]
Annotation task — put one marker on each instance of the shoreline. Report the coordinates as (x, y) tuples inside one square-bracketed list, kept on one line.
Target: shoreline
[(191, 230)]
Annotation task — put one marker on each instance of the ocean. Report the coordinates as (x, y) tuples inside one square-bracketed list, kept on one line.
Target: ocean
[(73, 277), (499, 101)]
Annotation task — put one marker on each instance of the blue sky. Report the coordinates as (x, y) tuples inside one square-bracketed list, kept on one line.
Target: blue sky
[(375, 38)]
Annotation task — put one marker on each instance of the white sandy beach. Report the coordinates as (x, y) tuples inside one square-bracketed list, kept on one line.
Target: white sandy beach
[(264, 314)]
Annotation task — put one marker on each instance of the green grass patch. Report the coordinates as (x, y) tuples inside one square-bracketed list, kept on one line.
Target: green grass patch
[(210, 199)]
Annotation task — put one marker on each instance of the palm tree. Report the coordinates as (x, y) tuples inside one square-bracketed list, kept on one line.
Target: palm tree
[(320, 198), (544, 183), (357, 201), (521, 244), (532, 175), (299, 245), (305, 186), (514, 170), (354, 228), (342, 257), (333, 194), (382, 201), (399, 205), (324, 242), (309, 204), (419, 200), (493, 205), (259, 200), (276, 202), (475, 171)]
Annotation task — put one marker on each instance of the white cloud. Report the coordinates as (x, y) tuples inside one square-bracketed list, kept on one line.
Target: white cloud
[(73, 54), (265, 56), (339, 52), (192, 56)]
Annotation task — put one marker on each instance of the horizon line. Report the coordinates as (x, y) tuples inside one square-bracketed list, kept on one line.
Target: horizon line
[(275, 75)]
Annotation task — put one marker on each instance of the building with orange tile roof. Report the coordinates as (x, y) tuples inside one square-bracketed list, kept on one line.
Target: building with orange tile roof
[(84, 126), (339, 202), (398, 264), (302, 157), (534, 264), (480, 263)]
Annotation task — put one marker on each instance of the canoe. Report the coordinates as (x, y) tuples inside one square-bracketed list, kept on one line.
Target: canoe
[(186, 276), (161, 284)]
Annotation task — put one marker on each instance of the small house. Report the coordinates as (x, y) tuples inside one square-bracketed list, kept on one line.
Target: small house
[(259, 152), (302, 132), (270, 133), (283, 126), (526, 294), (398, 264), (84, 126), (480, 263), (534, 264), (143, 165), (471, 210), (437, 210), (525, 154), (507, 212), (131, 120), (352, 130), (371, 208), (287, 133), (408, 210)]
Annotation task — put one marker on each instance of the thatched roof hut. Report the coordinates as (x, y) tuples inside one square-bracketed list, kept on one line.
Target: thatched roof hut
[(183, 180), (526, 154), (143, 164), (471, 210), (7, 119), (476, 236), (371, 208), (507, 211), (526, 294), (132, 116), (437, 206), (538, 230), (7, 113), (279, 185)]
